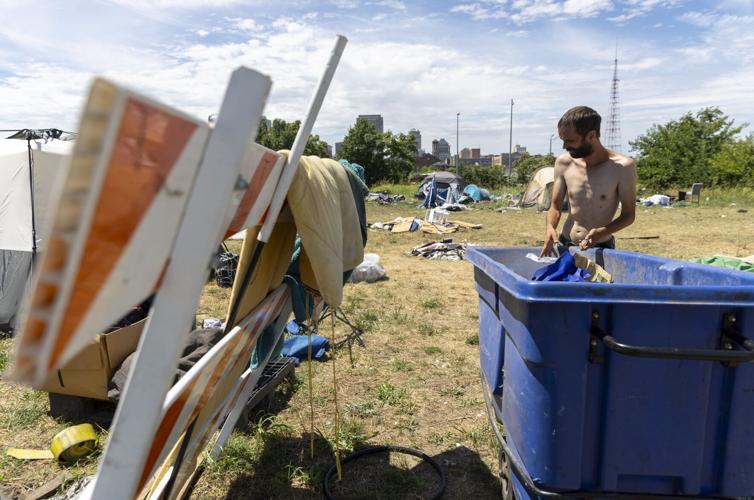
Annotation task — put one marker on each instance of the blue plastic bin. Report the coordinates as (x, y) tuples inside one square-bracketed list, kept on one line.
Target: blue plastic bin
[(644, 385)]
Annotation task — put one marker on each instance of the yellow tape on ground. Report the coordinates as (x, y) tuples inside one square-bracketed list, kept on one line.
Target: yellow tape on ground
[(68, 445)]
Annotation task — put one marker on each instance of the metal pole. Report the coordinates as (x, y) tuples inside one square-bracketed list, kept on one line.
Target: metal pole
[(510, 144), (458, 157), (551, 136), (31, 194), (281, 190)]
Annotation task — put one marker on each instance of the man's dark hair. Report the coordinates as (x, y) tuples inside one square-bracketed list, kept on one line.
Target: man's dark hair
[(583, 119)]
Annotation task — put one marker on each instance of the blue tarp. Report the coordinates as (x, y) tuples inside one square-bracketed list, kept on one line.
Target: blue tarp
[(563, 269), (297, 347)]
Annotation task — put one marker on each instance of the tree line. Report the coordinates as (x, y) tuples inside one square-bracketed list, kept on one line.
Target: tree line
[(705, 146)]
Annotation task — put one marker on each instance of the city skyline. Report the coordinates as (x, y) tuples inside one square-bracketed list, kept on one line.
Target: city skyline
[(417, 63)]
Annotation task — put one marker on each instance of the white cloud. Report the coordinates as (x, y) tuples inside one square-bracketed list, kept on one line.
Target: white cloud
[(479, 12), (392, 4), (245, 24), (700, 19), (523, 11), (638, 8), (642, 64), (175, 4), (345, 4)]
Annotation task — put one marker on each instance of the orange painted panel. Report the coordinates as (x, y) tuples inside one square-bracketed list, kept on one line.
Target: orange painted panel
[(146, 148), (261, 174)]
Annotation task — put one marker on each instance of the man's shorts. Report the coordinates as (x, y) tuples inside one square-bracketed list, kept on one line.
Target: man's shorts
[(564, 243)]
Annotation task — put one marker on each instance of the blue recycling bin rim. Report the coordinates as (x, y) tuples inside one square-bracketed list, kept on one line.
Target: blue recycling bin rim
[(525, 289)]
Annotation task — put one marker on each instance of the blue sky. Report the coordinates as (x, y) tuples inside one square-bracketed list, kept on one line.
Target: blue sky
[(416, 63)]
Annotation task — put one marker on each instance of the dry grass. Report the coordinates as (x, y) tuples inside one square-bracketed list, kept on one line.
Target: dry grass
[(415, 383)]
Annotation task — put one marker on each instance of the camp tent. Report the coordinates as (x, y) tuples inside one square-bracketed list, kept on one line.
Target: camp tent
[(22, 221), (539, 191), (437, 186)]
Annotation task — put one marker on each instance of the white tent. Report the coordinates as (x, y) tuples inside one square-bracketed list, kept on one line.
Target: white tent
[(539, 191), (22, 221)]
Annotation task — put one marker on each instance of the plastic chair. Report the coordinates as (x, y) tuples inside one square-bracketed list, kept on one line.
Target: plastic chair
[(696, 190)]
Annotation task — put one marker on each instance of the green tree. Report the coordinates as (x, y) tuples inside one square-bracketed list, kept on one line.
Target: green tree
[(525, 165), (679, 153), (485, 177), (385, 157), (362, 145), (734, 164), (281, 134), (398, 152)]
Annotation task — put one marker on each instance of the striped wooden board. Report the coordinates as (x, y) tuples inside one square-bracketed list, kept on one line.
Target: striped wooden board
[(202, 394), (261, 172), (115, 221)]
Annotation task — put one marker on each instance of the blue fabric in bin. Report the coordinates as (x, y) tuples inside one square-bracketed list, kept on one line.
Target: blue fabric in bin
[(297, 347), (563, 269)]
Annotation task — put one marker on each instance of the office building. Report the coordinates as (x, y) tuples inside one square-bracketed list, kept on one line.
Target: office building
[(417, 135), (441, 149), (375, 120)]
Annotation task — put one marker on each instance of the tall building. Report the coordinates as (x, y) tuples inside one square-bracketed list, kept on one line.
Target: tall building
[(338, 145), (417, 135), (465, 154), (329, 151), (375, 120), (476, 153), (441, 149)]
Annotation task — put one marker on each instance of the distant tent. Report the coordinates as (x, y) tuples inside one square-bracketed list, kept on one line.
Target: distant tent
[(539, 191), (476, 193), (438, 188), (25, 163)]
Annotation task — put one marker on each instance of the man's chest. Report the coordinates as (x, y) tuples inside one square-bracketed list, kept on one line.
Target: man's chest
[(599, 183)]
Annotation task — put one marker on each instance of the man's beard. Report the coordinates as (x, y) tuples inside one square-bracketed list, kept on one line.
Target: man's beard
[(581, 151)]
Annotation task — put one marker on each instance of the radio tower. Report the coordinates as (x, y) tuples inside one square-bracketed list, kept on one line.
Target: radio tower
[(613, 116)]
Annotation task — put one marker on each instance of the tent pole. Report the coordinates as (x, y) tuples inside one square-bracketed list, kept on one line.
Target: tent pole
[(31, 193)]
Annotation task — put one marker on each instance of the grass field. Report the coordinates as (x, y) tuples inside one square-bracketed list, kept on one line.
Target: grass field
[(415, 383)]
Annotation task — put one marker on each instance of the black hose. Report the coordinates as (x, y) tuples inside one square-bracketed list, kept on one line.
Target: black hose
[(387, 449)]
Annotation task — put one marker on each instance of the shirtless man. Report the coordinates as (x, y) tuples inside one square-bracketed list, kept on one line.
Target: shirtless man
[(596, 180)]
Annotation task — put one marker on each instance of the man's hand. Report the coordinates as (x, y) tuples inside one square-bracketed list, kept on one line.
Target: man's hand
[(551, 236), (592, 235)]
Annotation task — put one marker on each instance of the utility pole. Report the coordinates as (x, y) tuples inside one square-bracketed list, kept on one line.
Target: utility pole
[(510, 145), (458, 158), (551, 136)]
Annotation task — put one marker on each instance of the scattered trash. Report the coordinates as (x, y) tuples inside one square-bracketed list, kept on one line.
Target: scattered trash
[(212, 323), (654, 237), (369, 271), (68, 445), (454, 207), (742, 211), (76, 490), (440, 250), (657, 199), (411, 224), (384, 198), (398, 225), (225, 269), (436, 216)]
